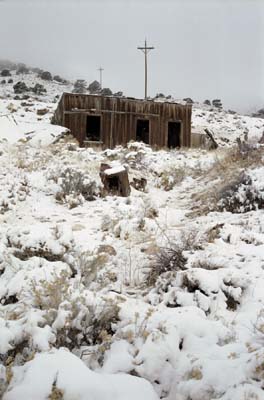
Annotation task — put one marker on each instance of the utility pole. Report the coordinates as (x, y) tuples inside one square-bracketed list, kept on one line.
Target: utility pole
[(101, 77), (146, 49)]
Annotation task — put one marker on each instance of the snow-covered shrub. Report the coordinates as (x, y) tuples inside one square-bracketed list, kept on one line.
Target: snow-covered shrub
[(59, 382), (89, 264), (123, 223), (14, 191), (78, 321), (74, 186), (245, 193), (52, 245)]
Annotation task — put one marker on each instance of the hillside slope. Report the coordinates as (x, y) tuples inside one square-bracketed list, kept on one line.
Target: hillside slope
[(154, 296)]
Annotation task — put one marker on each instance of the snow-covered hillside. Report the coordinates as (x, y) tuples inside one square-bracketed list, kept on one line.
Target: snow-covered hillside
[(226, 126), (155, 296)]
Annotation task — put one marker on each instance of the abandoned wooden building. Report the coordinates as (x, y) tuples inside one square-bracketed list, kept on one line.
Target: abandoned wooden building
[(111, 121)]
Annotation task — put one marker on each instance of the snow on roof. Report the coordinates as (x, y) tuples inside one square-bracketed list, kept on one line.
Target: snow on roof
[(115, 170)]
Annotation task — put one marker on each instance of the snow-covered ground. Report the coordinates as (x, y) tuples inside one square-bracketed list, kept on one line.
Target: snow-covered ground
[(154, 296)]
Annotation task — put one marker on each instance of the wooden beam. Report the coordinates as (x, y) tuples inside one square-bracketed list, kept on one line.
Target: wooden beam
[(98, 112)]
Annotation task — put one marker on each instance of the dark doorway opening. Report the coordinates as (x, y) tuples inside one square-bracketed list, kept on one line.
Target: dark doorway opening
[(113, 183), (142, 133), (174, 135), (93, 128)]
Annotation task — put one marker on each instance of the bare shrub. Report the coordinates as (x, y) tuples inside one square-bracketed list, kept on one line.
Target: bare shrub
[(89, 265), (168, 259), (48, 295), (102, 324), (85, 323)]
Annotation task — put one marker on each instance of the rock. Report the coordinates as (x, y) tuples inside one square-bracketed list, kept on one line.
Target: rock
[(42, 111), (78, 227), (20, 87), (11, 107), (115, 180), (3, 82), (207, 102), (10, 81)]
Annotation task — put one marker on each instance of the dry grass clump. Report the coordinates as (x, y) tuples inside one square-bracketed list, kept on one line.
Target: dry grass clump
[(171, 177), (221, 183)]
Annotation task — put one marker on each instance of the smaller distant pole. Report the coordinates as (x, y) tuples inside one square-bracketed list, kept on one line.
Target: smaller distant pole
[(146, 49), (101, 77)]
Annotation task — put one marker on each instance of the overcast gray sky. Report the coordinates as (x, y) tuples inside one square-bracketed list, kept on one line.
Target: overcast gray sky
[(203, 48)]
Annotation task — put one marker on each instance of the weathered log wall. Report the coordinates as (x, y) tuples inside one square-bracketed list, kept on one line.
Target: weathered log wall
[(119, 118)]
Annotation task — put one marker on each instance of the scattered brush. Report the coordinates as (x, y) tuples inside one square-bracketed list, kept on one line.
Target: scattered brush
[(229, 185)]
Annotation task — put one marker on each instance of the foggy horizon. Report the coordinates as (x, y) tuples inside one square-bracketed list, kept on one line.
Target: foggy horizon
[(203, 49)]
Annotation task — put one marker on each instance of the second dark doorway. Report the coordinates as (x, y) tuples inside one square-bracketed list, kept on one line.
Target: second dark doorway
[(142, 134), (174, 135), (93, 128)]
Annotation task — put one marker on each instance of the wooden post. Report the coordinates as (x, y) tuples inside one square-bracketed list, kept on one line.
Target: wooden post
[(146, 50), (101, 77)]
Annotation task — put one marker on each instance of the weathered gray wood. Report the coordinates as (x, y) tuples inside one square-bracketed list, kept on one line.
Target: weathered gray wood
[(119, 118)]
